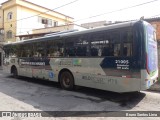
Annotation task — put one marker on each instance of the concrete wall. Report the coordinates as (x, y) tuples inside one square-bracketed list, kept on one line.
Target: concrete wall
[(41, 9), (10, 24), (25, 26), (58, 29), (1, 18)]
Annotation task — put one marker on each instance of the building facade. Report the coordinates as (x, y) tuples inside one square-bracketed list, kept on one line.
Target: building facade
[(58, 29), (19, 17)]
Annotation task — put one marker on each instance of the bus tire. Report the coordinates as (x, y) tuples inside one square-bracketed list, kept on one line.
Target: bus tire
[(67, 80), (15, 72)]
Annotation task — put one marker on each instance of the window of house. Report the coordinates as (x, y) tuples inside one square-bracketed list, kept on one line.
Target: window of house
[(49, 22), (55, 23), (9, 34), (46, 21), (10, 15)]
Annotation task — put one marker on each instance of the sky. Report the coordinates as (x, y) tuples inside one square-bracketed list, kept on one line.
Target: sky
[(85, 9)]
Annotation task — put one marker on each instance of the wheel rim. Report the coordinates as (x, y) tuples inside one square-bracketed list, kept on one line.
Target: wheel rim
[(66, 81), (15, 72)]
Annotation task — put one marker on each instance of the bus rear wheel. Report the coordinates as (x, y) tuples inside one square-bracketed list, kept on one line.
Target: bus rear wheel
[(66, 80), (15, 72)]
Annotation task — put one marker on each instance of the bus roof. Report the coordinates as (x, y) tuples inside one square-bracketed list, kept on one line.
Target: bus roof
[(74, 33)]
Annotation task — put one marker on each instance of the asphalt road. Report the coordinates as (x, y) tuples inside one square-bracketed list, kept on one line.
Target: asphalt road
[(25, 94)]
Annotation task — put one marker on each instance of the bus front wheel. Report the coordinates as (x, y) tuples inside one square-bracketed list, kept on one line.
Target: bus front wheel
[(67, 80)]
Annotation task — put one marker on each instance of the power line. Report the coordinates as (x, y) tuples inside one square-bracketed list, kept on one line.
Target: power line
[(77, 24), (44, 12), (94, 15), (117, 10)]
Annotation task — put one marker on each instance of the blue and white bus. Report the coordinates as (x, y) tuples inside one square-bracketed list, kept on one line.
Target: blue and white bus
[(120, 57)]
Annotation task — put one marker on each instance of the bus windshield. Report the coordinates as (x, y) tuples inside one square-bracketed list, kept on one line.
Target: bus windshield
[(152, 50)]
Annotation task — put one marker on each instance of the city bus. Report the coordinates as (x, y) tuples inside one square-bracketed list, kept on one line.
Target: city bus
[(118, 57)]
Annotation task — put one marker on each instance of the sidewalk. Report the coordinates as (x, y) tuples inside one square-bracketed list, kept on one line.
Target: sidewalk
[(155, 87)]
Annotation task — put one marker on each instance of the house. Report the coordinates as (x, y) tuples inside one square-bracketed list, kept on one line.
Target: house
[(19, 17)]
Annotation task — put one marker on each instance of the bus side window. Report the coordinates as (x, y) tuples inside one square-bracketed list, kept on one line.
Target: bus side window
[(55, 48), (125, 51), (39, 49), (105, 51), (117, 50), (97, 44), (81, 51), (76, 46), (69, 47), (111, 44), (127, 38), (94, 52)]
